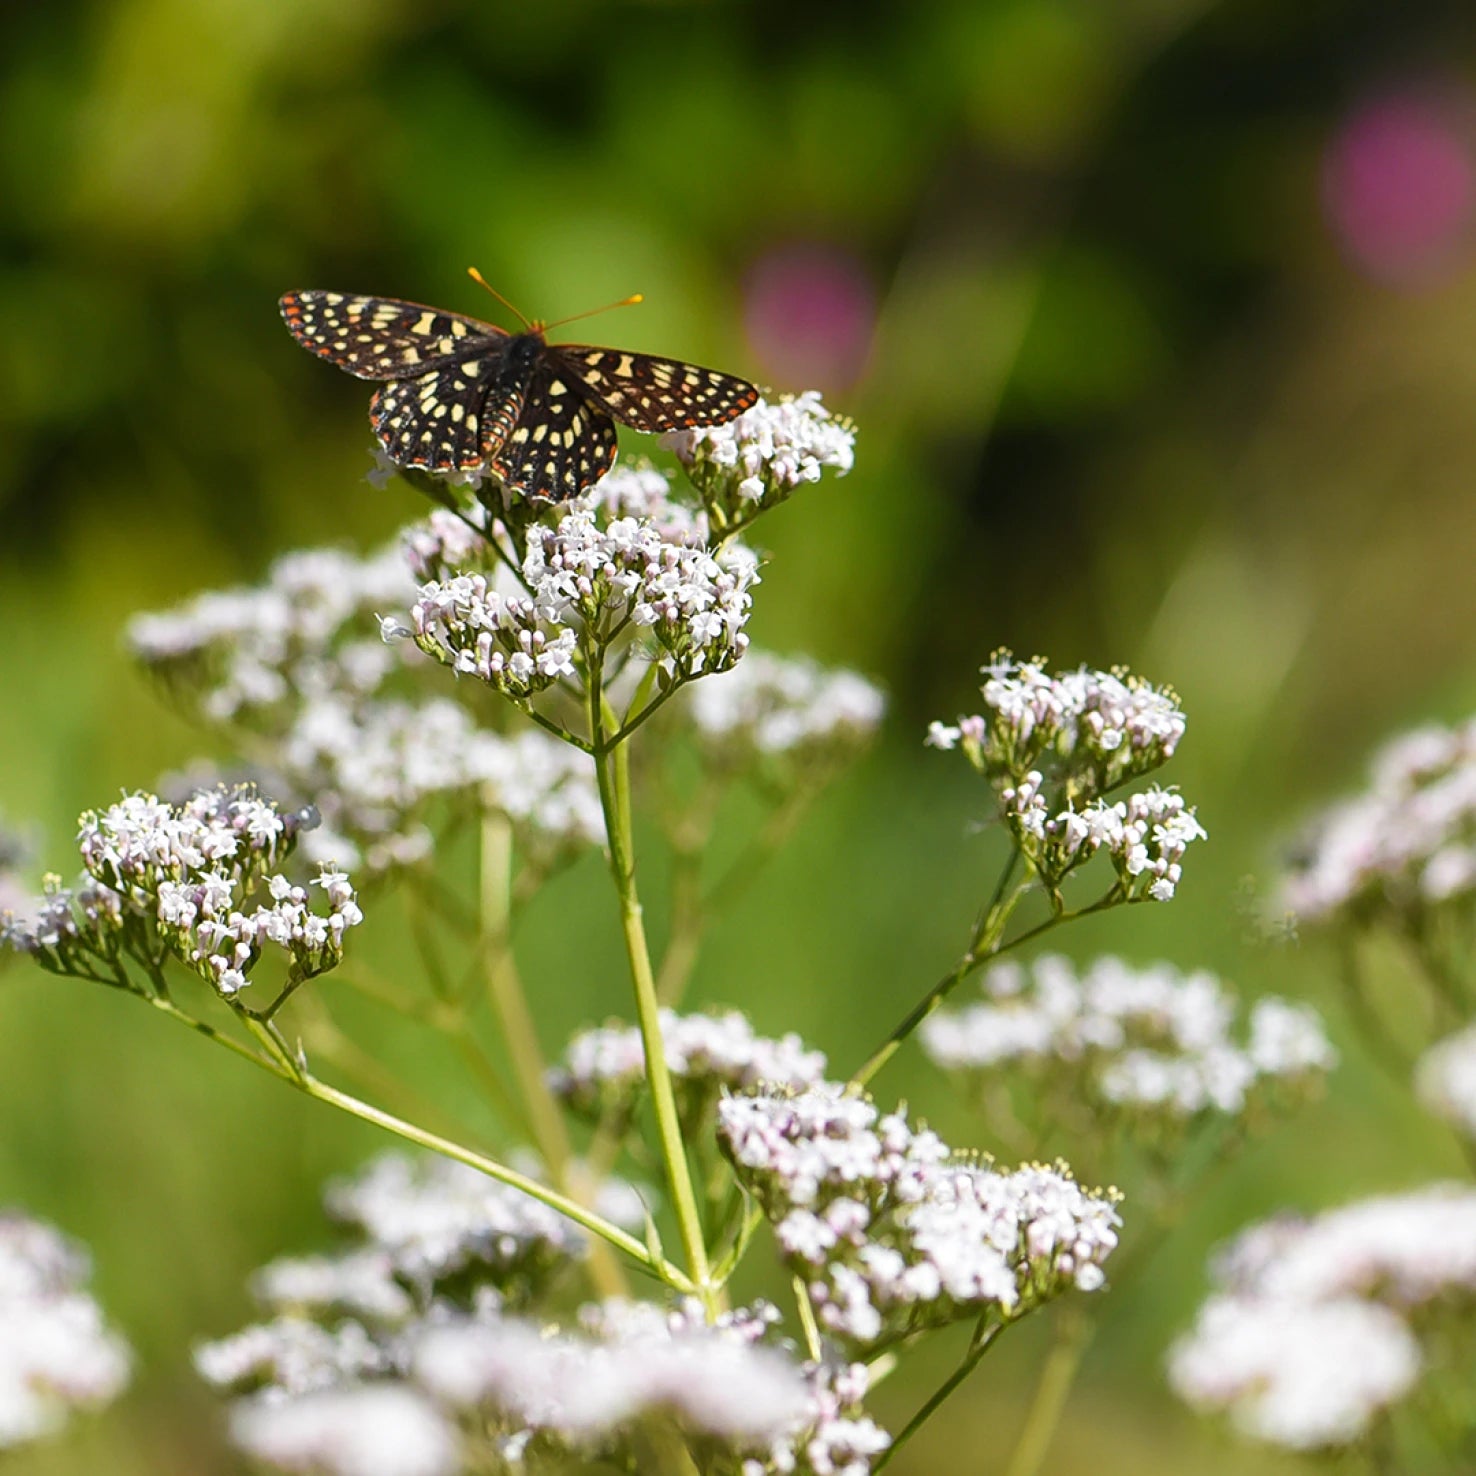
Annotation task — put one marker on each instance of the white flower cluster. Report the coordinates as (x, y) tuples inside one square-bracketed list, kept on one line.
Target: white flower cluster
[(1308, 1338), (1407, 843), (241, 652), (436, 1219), (406, 1357), (195, 880), (444, 545), (1446, 1080), (373, 766), (784, 707), (1150, 1042), (644, 493), (601, 580), (1053, 746), (56, 1352), (1098, 728), (756, 461), (1145, 836), (604, 1069), (891, 1233)]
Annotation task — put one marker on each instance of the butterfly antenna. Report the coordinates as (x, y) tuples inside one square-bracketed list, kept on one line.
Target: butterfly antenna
[(630, 301), (481, 281)]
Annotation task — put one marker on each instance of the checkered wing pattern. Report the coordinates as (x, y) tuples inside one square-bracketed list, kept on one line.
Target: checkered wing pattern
[(563, 442), (443, 421), (384, 338), (654, 394)]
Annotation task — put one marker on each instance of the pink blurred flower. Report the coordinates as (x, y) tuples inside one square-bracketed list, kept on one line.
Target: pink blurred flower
[(810, 314), (1399, 185)]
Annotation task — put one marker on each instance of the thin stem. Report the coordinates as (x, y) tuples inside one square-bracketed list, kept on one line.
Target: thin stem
[(612, 770), (983, 1340), (649, 710), (510, 1004), (807, 1319), (1073, 1333)]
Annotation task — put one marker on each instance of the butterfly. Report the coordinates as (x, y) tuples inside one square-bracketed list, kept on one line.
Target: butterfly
[(460, 395)]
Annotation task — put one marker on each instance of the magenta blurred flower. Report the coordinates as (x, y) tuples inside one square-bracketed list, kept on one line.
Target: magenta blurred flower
[(1399, 184), (810, 314)]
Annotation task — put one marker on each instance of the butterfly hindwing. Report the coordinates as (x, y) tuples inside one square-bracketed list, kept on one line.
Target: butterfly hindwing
[(382, 337), (654, 394), (428, 423), (563, 442)]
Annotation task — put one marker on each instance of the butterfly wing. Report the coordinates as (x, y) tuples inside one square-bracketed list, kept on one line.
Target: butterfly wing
[(443, 421), (384, 338), (655, 394), (563, 442)]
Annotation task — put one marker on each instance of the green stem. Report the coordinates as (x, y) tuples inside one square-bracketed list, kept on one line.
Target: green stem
[(1073, 1333), (320, 1091), (510, 1004), (982, 1341), (612, 770)]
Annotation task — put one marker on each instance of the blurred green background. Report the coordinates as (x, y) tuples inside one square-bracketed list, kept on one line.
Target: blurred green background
[(1157, 318)]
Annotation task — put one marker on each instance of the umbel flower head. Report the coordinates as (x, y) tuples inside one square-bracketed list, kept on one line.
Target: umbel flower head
[(1314, 1330), (591, 582), (1054, 747), (1149, 1047), (1402, 849), (56, 1352), (197, 882), (407, 1355), (892, 1233), (756, 461)]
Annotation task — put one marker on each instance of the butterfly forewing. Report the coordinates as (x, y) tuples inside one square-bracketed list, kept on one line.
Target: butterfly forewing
[(563, 442), (382, 337), (653, 394)]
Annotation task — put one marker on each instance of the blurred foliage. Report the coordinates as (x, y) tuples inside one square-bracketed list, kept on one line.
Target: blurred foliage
[(1126, 399)]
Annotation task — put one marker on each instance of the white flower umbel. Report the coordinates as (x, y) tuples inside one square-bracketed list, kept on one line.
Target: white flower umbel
[(594, 582), (756, 461), (197, 881), (643, 493), (891, 1233), (1446, 1080), (1148, 1042), (1303, 1375), (363, 1430), (604, 1069), (785, 707), (375, 767), (239, 653), (1312, 1332), (436, 1219), (56, 1352), (445, 545), (1052, 747), (1404, 846), (587, 1393)]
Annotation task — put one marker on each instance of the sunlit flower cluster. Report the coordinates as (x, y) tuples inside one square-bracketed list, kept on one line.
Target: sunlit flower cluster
[(407, 1355), (756, 461), (605, 1069), (444, 545), (1053, 747), (373, 766), (196, 881), (1406, 844), (644, 493), (240, 653), (1312, 1333), (1146, 1042), (787, 707), (57, 1353), (584, 579), (891, 1233)]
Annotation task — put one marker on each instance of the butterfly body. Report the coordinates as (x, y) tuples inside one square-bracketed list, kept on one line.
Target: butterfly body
[(460, 395)]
